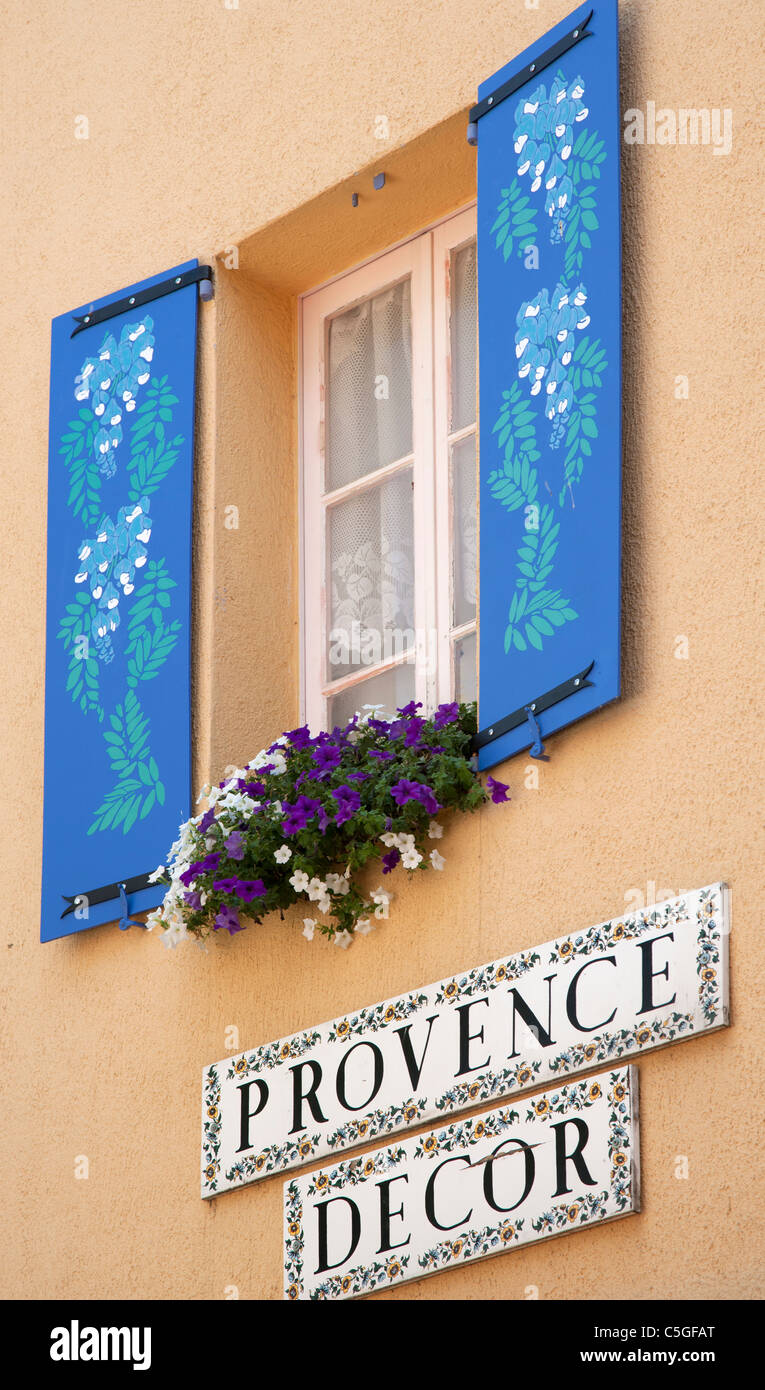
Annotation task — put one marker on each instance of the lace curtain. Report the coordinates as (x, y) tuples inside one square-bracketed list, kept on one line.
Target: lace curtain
[(370, 535)]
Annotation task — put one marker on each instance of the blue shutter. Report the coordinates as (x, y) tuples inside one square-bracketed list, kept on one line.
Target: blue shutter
[(117, 709), (549, 298)]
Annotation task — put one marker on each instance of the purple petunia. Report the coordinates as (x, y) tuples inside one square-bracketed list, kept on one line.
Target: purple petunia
[(348, 802), (404, 791), (247, 889), (194, 901), (408, 710), (446, 714), (498, 790), (228, 920), (325, 758), (299, 738), (206, 821), (225, 885), (234, 845), (297, 816), (390, 860), (208, 865), (358, 776), (381, 753)]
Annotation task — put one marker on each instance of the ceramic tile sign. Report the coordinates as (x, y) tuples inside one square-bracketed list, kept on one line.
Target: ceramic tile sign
[(544, 1167), (588, 999)]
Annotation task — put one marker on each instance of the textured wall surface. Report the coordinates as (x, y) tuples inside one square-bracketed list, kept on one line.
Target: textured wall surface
[(211, 128)]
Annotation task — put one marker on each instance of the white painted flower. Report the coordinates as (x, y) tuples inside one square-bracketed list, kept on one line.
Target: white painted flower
[(300, 881), (435, 831), (283, 854), (343, 939), (436, 859), (309, 925), (364, 926)]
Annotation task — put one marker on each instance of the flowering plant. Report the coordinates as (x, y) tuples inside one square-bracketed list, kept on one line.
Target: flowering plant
[(307, 814)]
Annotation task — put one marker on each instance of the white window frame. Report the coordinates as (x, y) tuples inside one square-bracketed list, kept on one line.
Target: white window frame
[(426, 260)]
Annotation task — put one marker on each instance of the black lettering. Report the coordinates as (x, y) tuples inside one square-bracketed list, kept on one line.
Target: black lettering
[(649, 974), (412, 1065), (488, 1174), (377, 1078), (571, 997), (577, 1157), (322, 1207), (430, 1206), (467, 1037), (246, 1113), (544, 1035), (386, 1214), (299, 1095)]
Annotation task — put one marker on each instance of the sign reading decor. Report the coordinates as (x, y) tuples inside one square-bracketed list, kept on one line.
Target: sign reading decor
[(557, 1162), (590, 998)]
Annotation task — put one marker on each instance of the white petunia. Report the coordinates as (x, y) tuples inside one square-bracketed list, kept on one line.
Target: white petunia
[(410, 859), (435, 831), (283, 854), (389, 839), (300, 881), (308, 928), (159, 873), (316, 889), (436, 859), (343, 939), (325, 904), (364, 926), (338, 883)]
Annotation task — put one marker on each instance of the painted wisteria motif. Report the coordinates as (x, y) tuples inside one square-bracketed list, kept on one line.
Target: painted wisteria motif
[(121, 604), (559, 366)]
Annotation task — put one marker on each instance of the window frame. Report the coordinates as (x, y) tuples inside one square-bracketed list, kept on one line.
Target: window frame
[(422, 258)]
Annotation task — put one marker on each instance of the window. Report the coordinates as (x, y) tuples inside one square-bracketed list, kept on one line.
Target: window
[(389, 526)]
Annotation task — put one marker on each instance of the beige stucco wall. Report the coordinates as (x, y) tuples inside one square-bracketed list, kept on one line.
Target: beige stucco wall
[(207, 125)]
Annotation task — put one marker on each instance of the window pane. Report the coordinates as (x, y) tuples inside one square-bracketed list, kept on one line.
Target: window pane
[(369, 386), (464, 284), (370, 547), (465, 532), (465, 684), (392, 689)]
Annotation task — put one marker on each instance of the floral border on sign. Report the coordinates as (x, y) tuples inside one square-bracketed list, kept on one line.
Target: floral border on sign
[(211, 1133), (581, 1209), (602, 1048)]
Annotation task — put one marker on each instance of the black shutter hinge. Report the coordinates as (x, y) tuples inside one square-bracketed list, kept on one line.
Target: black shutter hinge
[(529, 713), (201, 274), (524, 75)]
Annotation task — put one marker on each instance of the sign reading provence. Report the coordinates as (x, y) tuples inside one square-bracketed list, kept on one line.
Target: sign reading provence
[(552, 1164), (117, 729), (549, 301), (589, 999)]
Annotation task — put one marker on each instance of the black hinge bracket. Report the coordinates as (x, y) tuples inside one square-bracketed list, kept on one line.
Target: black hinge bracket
[(538, 706), (141, 297), (106, 893), (529, 70)]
